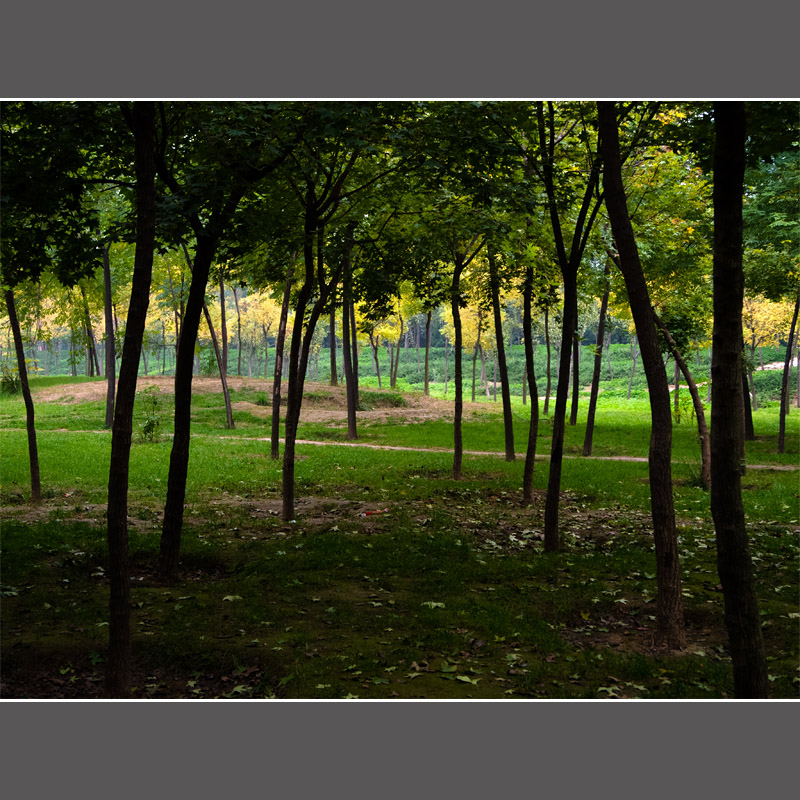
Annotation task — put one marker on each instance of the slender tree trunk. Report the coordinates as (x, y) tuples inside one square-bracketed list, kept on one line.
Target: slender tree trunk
[(598, 359), (179, 456), (508, 419), (219, 353), (797, 371), (787, 368), (747, 410), (635, 353), (222, 370), (30, 422), (238, 331), (533, 430), (546, 408), (223, 326), (458, 407), (347, 362), (298, 354), (702, 427), (427, 351), (393, 382), (733, 554), (332, 340), (552, 539), (119, 629), (576, 377), (354, 347), (111, 367), (676, 380), (373, 343), (91, 349), (669, 608), (280, 341), (266, 355)]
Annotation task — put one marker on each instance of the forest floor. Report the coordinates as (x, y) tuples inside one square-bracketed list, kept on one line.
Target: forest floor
[(394, 581)]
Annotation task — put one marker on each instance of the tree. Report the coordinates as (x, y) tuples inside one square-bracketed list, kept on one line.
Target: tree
[(241, 145), (142, 122), (670, 626), (733, 555)]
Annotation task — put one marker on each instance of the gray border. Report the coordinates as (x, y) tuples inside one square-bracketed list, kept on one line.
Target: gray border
[(372, 749), (425, 50)]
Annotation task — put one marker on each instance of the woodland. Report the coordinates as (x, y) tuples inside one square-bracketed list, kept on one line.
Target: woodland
[(400, 399)]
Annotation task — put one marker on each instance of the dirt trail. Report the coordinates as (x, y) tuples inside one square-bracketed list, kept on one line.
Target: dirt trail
[(322, 403)]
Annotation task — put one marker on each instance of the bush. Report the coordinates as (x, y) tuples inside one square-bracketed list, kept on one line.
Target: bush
[(10, 382)]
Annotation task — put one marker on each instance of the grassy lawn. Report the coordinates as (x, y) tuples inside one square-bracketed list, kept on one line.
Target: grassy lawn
[(394, 580)]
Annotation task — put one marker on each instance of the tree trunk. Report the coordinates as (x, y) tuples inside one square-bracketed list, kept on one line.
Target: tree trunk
[(533, 430), (347, 362), (500, 362), (733, 555), (569, 320), (576, 377), (546, 408), (30, 422), (354, 336), (787, 369), (223, 327), (179, 456), (280, 343), (111, 367), (222, 370), (524, 381), (220, 355), (91, 349), (238, 332), (332, 340), (393, 382), (373, 343), (676, 381), (119, 635), (427, 351), (702, 428), (301, 345), (458, 406), (635, 352), (598, 359), (669, 608), (747, 410)]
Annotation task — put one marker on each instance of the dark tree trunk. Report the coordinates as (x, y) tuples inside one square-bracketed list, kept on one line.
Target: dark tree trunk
[(598, 361), (458, 405), (354, 337), (220, 355), (223, 372), (179, 456), (347, 362), (280, 342), (238, 332), (508, 419), (635, 353), (427, 351), (223, 326), (332, 340), (373, 343), (301, 345), (33, 450), (91, 348), (747, 410), (546, 408), (787, 370), (733, 554), (119, 634), (669, 608), (576, 376), (111, 366), (393, 380), (702, 428), (676, 381), (533, 430), (569, 320)]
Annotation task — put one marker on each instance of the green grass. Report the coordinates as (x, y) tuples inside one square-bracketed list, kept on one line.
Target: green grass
[(445, 594)]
